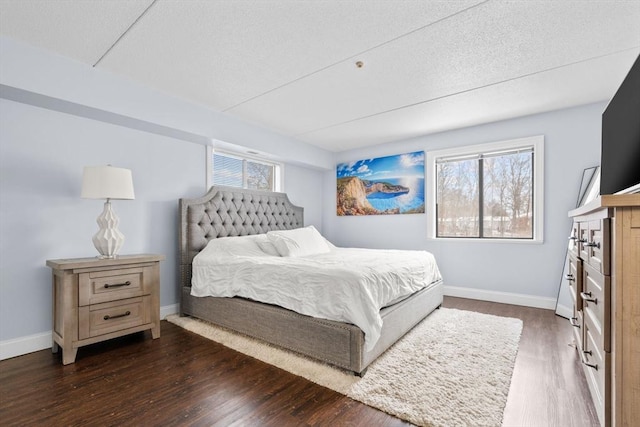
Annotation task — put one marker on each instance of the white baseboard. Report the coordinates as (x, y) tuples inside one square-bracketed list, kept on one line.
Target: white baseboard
[(168, 310), (501, 297), (23, 345), (30, 343)]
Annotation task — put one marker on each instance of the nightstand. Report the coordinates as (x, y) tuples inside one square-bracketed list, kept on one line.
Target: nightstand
[(99, 299)]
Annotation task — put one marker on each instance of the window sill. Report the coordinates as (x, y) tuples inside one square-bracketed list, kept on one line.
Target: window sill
[(500, 241)]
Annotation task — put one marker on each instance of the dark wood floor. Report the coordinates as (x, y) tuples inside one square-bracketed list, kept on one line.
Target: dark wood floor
[(184, 379)]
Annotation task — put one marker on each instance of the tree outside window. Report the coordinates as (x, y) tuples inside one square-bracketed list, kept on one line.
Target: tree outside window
[(260, 176), (486, 195)]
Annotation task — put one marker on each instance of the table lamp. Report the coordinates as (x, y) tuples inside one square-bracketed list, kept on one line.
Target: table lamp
[(107, 182)]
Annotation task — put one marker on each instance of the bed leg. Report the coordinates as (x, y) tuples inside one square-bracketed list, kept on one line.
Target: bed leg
[(438, 307), (360, 374)]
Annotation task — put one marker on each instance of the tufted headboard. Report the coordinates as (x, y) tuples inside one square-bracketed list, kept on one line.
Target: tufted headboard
[(231, 211)]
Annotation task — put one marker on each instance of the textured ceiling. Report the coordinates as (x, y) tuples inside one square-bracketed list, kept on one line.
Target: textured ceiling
[(289, 66)]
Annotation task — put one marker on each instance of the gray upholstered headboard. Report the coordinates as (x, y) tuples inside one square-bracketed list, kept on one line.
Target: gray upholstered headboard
[(231, 211)]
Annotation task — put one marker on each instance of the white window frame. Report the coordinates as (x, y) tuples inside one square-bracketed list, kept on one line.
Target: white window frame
[(278, 180), (535, 142)]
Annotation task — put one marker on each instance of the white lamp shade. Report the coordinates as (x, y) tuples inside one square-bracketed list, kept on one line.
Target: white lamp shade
[(106, 182)]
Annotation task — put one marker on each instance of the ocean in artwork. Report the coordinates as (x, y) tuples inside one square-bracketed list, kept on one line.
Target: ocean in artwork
[(410, 201)]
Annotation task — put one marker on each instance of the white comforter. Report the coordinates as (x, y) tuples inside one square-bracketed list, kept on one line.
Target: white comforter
[(348, 285)]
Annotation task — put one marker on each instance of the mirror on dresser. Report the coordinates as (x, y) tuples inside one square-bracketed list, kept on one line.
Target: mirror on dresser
[(589, 190)]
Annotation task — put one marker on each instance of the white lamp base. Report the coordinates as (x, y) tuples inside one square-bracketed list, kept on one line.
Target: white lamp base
[(108, 240)]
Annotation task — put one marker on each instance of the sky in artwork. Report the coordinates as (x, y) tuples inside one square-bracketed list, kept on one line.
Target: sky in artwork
[(380, 168)]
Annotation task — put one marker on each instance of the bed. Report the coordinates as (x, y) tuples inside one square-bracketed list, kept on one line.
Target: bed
[(228, 212)]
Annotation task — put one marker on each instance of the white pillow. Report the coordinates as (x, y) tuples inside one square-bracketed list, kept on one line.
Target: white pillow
[(298, 242), (234, 246), (268, 248)]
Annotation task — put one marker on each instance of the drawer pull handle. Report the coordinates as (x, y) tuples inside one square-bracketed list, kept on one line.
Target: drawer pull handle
[(592, 244), (125, 314), (591, 365), (574, 322), (570, 277), (587, 296), (573, 238), (584, 362), (117, 285)]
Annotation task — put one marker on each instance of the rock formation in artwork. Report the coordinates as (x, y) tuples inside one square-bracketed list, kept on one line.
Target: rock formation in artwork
[(352, 196), (384, 187)]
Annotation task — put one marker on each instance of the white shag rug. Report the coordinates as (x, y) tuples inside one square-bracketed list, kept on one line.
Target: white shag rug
[(452, 369)]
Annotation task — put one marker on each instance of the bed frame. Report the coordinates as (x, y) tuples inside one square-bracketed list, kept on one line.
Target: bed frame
[(229, 211)]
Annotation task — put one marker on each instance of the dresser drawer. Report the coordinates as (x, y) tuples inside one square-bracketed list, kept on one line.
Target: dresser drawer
[(576, 321), (573, 247), (596, 363), (595, 247), (574, 277), (596, 305), (104, 286), (100, 319)]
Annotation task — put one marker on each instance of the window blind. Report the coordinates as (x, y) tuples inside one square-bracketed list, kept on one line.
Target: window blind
[(227, 170)]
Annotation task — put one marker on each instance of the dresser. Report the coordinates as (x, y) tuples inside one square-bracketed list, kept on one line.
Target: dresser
[(99, 299), (604, 277)]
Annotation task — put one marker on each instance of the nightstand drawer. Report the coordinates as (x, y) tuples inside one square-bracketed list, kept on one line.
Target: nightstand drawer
[(100, 319), (104, 286)]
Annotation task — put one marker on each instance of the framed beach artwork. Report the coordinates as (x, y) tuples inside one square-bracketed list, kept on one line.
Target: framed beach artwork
[(381, 186)]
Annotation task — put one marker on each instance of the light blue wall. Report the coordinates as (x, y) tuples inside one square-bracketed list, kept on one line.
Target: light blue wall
[(91, 117), (42, 154), (572, 143), (42, 216), (304, 188)]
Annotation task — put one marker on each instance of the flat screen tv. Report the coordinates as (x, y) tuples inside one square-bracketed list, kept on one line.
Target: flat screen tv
[(620, 156)]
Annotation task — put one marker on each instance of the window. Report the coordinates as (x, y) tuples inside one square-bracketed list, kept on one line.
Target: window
[(488, 191), (236, 170)]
